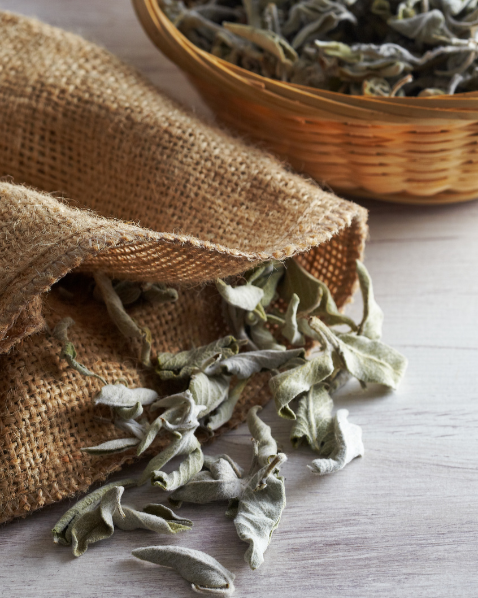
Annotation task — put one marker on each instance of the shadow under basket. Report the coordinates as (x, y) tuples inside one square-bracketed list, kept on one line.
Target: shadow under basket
[(409, 150)]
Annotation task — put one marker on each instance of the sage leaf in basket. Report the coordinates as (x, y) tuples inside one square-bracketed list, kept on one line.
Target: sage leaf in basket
[(68, 352), (267, 40), (245, 296), (203, 572), (244, 365), (290, 329), (367, 360), (125, 323), (259, 511), (372, 320), (343, 444), (287, 385), (119, 395), (183, 364), (112, 447), (62, 530)]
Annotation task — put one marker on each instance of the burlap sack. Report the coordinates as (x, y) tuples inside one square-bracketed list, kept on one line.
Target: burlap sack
[(191, 204)]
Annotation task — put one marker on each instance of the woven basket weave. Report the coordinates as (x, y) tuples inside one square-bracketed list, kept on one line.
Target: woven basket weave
[(410, 150), (76, 121)]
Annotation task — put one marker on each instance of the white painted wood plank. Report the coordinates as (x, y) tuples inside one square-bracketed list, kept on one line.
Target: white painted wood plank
[(402, 521)]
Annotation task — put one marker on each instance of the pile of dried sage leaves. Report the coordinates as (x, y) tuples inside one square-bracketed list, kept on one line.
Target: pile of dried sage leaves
[(358, 47), (308, 359)]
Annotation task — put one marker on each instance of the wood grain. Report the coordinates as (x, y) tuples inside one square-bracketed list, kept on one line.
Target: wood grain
[(400, 522)]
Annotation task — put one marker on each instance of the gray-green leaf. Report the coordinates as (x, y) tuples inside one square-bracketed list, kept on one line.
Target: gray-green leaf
[(191, 465), (245, 296), (344, 445), (261, 432), (372, 320), (259, 512), (205, 574), (287, 385), (119, 395), (111, 447), (290, 329), (314, 417), (367, 360), (244, 365), (224, 412)]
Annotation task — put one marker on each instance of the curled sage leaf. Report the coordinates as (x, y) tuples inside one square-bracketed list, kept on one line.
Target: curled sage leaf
[(68, 352), (290, 329), (183, 364), (125, 323), (203, 572), (372, 320), (261, 432), (223, 413), (191, 465), (209, 390), (314, 417), (287, 385), (245, 297), (343, 444), (111, 447), (259, 511), (183, 444), (244, 365), (62, 530), (367, 360)]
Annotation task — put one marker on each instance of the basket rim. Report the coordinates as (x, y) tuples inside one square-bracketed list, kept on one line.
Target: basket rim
[(302, 101)]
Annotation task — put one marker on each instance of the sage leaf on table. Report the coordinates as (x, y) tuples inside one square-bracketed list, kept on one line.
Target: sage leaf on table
[(68, 352), (203, 572), (314, 417), (343, 444), (183, 364), (244, 365), (287, 385), (372, 320), (367, 360), (259, 510), (154, 517), (209, 390), (191, 465), (183, 444), (223, 413), (261, 432), (62, 530)]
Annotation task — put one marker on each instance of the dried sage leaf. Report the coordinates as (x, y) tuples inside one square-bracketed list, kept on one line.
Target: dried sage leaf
[(223, 413), (158, 293), (92, 526), (314, 417), (156, 518), (203, 572), (263, 339), (259, 512), (372, 320), (367, 360), (206, 487), (62, 530), (111, 447), (181, 365), (68, 352), (209, 390), (191, 465), (129, 412), (287, 385), (119, 395), (125, 323), (290, 329), (344, 445), (183, 444), (261, 432), (244, 365), (246, 296)]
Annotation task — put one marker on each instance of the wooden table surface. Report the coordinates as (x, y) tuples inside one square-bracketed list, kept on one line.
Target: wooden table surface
[(400, 522)]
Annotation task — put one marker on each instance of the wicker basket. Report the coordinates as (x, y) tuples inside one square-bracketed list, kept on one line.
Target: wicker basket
[(409, 150)]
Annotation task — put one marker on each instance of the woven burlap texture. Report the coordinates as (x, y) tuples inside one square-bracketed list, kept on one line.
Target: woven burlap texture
[(153, 194)]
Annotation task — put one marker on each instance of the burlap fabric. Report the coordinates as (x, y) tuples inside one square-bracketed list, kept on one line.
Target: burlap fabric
[(153, 194)]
